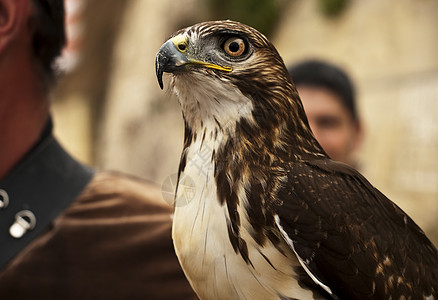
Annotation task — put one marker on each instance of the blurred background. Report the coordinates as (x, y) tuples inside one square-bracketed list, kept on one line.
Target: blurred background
[(110, 113)]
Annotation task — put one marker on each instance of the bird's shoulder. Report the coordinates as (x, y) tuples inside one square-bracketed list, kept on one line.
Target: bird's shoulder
[(350, 236)]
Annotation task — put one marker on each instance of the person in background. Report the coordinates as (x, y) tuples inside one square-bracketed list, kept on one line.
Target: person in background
[(329, 102), (66, 231)]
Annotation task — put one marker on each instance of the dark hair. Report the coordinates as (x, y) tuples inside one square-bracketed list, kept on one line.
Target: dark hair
[(49, 35), (321, 74)]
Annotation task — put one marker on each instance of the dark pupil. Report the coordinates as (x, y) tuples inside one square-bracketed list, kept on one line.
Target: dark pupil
[(182, 47), (234, 47)]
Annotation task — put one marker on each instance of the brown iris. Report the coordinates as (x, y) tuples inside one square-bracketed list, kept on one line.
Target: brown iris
[(234, 46)]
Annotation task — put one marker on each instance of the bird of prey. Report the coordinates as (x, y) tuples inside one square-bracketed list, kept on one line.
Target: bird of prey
[(272, 216)]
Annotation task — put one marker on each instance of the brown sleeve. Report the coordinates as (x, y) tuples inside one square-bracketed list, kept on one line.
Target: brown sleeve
[(113, 242)]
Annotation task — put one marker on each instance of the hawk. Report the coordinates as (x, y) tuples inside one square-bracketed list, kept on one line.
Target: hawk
[(272, 216)]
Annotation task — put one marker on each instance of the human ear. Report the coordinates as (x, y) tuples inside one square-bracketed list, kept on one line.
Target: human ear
[(13, 14)]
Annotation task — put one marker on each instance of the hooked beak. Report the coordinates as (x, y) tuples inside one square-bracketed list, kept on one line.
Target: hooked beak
[(171, 57), (168, 59)]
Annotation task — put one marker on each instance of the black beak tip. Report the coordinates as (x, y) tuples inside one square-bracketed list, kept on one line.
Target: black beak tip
[(159, 70), (160, 80)]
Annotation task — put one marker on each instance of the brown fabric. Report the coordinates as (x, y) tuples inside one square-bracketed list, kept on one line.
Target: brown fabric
[(113, 242)]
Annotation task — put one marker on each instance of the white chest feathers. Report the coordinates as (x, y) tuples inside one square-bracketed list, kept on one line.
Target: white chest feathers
[(203, 247)]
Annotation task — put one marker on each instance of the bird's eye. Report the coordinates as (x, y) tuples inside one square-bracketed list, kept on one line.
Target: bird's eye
[(234, 46)]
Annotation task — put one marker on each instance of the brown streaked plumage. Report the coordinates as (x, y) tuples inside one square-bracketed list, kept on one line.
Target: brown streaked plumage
[(272, 216)]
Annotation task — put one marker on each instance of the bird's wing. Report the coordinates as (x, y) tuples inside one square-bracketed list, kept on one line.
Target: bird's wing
[(352, 240)]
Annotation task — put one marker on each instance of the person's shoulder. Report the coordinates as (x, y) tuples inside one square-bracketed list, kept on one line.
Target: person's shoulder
[(113, 242), (115, 192)]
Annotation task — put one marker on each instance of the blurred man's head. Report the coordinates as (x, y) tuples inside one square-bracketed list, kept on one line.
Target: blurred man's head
[(329, 101), (31, 37), (32, 32)]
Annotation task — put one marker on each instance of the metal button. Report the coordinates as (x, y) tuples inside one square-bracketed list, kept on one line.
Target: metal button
[(4, 199), (25, 221)]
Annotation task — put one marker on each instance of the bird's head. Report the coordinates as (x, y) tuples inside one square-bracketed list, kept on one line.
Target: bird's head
[(226, 73)]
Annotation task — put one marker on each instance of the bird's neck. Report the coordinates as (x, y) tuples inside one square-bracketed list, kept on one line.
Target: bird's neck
[(261, 129), (256, 141), (259, 136)]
